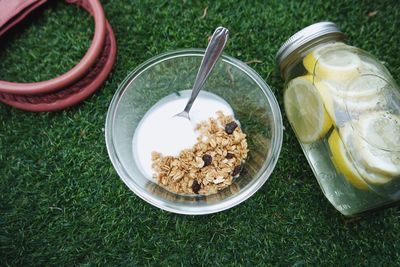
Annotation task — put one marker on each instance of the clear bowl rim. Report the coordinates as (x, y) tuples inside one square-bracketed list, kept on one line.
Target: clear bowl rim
[(262, 175)]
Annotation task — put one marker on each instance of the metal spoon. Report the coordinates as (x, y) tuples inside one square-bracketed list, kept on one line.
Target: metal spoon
[(213, 51)]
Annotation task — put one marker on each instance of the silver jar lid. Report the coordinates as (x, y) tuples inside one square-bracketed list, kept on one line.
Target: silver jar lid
[(306, 38)]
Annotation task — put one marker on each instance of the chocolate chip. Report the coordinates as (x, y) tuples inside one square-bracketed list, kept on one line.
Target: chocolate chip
[(229, 155), (207, 159), (230, 127), (196, 187), (236, 170)]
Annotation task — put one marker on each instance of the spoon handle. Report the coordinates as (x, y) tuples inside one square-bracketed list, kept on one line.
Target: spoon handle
[(213, 51)]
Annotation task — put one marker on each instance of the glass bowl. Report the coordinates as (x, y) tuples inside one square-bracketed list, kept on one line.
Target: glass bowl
[(250, 97)]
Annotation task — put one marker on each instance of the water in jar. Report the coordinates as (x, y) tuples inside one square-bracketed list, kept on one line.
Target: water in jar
[(344, 107)]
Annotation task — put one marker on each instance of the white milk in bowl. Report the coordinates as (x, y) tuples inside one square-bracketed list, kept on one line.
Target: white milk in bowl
[(163, 132)]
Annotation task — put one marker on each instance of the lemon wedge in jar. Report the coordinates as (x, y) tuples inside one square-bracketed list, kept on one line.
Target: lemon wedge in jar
[(334, 62), (364, 87), (349, 137), (305, 109), (379, 142), (311, 59), (371, 66), (343, 162), (359, 97), (328, 96)]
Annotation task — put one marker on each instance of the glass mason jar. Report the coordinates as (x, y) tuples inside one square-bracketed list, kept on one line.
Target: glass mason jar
[(344, 108)]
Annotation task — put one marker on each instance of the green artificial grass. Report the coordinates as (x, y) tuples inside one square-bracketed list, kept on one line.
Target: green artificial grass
[(62, 203)]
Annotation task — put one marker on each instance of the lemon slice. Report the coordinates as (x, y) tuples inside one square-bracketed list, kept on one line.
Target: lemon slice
[(363, 87), (373, 178), (342, 104), (379, 142), (371, 66), (305, 110), (311, 59), (343, 162), (328, 96), (349, 137), (336, 62)]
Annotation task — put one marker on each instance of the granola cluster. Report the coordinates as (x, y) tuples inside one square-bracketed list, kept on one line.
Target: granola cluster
[(210, 165)]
